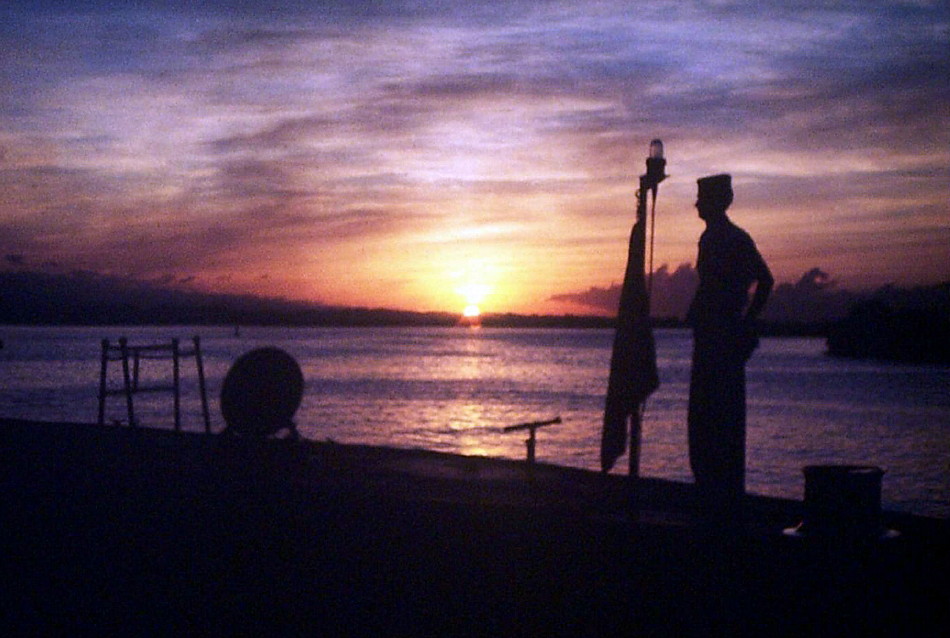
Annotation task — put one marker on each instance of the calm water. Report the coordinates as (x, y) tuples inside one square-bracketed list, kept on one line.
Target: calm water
[(454, 390)]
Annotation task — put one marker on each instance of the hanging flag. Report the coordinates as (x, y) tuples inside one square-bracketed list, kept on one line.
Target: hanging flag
[(633, 372)]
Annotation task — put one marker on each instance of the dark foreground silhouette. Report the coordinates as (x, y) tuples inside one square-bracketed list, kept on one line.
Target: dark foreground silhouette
[(115, 530)]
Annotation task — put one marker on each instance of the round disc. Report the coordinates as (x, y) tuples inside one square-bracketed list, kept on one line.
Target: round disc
[(261, 392)]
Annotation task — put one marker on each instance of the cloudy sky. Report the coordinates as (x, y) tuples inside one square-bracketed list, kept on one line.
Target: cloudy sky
[(430, 154)]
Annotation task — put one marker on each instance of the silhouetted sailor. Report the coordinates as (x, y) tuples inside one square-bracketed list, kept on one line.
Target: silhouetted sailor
[(724, 338)]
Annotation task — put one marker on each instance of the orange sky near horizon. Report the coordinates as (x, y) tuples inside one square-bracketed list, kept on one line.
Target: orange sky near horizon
[(424, 159)]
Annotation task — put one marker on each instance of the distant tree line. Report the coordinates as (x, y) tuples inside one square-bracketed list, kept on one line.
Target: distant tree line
[(82, 298), (896, 325), (85, 298)]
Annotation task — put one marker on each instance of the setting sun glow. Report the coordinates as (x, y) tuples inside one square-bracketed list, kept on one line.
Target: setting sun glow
[(471, 311), (473, 293)]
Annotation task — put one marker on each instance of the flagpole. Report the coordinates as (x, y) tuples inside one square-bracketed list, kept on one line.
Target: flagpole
[(656, 173), (633, 376), (649, 183)]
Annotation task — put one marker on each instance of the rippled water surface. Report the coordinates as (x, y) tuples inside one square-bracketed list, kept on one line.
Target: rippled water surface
[(454, 390)]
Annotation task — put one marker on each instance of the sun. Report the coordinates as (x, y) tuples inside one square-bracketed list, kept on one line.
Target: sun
[(473, 294), (471, 312), (474, 281)]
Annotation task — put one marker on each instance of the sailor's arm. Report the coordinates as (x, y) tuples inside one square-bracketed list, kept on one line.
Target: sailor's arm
[(763, 287)]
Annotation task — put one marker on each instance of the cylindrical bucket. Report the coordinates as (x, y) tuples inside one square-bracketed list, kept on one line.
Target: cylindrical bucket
[(842, 501)]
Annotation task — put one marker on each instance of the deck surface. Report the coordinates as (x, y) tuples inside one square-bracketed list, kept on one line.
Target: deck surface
[(112, 530)]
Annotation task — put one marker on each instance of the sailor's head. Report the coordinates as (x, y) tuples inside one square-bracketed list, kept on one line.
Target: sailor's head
[(714, 195)]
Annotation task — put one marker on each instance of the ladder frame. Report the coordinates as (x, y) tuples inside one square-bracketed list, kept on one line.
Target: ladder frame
[(131, 356)]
